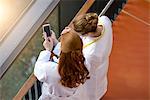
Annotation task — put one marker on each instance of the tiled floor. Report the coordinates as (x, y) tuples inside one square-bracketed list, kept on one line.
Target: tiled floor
[(128, 70)]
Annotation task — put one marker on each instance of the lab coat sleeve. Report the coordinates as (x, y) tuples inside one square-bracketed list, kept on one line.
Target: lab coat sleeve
[(41, 65), (107, 39), (57, 49)]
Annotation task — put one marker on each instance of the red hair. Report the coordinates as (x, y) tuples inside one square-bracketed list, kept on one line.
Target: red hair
[(72, 69)]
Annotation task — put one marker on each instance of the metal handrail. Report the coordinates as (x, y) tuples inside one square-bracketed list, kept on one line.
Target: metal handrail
[(32, 79), (106, 7)]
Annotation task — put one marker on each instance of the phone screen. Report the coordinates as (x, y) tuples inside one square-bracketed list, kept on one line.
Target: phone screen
[(47, 29)]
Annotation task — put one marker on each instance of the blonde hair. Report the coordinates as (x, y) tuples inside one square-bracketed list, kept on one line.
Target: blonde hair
[(86, 23)]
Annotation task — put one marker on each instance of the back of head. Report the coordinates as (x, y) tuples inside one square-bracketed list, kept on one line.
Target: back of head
[(86, 23), (70, 42), (71, 63)]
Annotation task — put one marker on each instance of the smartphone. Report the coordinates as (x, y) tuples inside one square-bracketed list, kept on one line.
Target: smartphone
[(47, 29)]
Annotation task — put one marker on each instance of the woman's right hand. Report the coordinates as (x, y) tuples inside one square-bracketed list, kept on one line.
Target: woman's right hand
[(48, 43)]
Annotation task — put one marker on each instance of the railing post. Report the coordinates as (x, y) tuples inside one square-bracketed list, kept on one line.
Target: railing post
[(24, 89)]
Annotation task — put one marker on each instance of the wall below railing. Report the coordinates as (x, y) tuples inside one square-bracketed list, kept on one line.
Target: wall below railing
[(22, 32)]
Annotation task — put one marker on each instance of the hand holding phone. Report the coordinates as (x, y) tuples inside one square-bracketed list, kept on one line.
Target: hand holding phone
[(47, 29), (48, 45)]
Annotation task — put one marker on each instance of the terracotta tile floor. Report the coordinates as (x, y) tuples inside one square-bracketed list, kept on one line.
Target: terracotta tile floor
[(128, 71)]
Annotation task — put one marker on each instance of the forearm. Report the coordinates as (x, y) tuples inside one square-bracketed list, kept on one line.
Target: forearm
[(44, 56), (41, 65)]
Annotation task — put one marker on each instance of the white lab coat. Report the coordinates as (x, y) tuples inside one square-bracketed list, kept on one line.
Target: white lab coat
[(97, 55), (47, 72)]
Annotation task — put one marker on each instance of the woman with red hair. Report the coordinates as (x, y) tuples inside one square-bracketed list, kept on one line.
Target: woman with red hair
[(62, 78)]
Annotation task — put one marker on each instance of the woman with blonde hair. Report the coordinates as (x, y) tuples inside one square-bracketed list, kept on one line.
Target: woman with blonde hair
[(96, 34), (62, 78)]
